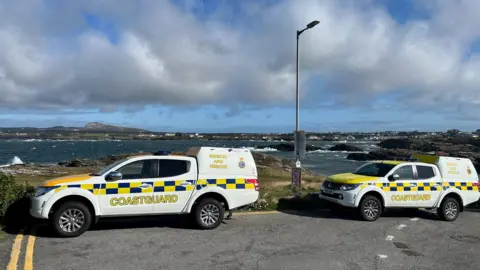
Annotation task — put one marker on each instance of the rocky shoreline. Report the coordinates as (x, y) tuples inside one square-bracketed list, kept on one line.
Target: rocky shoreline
[(290, 147), (91, 165), (404, 148), (401, 148)]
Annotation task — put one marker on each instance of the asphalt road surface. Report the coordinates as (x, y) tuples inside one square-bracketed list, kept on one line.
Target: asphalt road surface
[(322, 240)]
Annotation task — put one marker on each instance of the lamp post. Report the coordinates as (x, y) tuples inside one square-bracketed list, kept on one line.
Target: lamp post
[(298, 139), (299, 32)]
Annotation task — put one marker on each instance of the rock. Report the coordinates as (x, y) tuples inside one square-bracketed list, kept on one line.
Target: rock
[(394, 144), (358, 156), (272, 162), (80, 163), (381, 154), (284, 147), (288, 147), (411, 144), (345, 147), (265, 160)]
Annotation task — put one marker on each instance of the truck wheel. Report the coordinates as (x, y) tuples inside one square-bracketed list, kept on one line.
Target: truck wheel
[(71, 219), (449, 209), (370, 208), (209, 214)]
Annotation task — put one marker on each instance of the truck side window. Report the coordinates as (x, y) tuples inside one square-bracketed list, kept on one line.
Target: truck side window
[(405, 172), (140, 169), (425, 172), (172, 167)]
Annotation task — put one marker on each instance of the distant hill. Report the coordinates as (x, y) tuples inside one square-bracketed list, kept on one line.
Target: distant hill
[(96, 126), (90, 127)]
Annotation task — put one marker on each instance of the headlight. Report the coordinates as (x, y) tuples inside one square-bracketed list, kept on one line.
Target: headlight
[(43, 190), (346, 187)]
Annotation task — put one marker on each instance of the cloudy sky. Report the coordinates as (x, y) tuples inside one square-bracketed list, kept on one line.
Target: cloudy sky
[(225, 65)]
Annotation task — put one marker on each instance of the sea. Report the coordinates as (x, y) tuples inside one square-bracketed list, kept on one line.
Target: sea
[(321, 162)]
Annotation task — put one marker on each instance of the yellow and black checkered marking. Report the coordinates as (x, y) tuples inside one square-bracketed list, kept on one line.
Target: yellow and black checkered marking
[(238, 183), (159, 186), (422, 186)]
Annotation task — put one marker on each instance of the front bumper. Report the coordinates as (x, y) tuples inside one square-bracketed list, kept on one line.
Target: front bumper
[(344, 198), (36, 207)]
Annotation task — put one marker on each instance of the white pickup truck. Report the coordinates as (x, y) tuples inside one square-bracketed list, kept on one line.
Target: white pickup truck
[(447, 184), (205, 182)]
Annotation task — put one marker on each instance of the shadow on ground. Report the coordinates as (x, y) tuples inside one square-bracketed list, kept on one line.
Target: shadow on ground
[(182, 222), (312, 206)]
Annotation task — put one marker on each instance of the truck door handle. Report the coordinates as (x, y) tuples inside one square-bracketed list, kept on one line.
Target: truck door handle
[(413, 184), (145, 186), (185, 184)]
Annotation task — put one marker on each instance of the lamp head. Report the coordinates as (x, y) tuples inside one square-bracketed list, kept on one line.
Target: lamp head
[(312, 24)]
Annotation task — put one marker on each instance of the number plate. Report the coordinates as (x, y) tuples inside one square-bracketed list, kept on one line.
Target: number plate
[(328, 191)]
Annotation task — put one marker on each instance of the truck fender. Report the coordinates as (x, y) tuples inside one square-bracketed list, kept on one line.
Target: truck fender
[(209, 189), (447, 192), (71, 192), (371, 188)]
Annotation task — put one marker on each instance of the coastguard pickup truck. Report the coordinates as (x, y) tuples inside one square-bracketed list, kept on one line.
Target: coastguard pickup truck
[(447, 184), (204, 183)]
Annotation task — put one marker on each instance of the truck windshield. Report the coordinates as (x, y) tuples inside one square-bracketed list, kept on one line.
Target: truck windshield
[(374, 169), (109, 167)]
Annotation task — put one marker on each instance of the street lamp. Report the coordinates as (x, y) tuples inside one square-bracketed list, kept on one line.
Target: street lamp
[(299, 32), (297, 133)]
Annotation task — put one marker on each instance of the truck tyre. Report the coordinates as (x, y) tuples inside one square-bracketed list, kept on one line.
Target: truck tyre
[(370, 208), (449, 209), (71, 219), (209, 214)]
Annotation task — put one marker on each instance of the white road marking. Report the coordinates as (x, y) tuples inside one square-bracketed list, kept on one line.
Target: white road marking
[(389, 238), (401, 226), (382, 256), (414, 219)]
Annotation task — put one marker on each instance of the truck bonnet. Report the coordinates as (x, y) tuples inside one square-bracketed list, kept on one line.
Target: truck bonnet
[(65, 180), (350, 178)]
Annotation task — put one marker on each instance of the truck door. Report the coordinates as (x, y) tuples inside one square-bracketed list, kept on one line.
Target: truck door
[(175, 184), (401, 191), (429, 185), (133, 193)]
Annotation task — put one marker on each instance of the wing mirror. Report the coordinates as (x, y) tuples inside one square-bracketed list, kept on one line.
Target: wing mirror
[(114, 176), (394, 177)]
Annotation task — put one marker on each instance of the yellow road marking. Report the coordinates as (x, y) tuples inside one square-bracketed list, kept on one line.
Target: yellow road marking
[(17, 246), (30, 247), (255, 213)]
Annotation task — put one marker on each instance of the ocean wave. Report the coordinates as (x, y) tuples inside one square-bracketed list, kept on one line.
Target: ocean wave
[(328, 151), (14, 161), (267, 149), (357, 142), (60, 140)]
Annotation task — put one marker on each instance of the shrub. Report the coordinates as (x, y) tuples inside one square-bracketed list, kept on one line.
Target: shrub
[(14, 201)]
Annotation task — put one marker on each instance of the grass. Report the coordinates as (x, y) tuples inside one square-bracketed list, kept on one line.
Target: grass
[(275, 185)]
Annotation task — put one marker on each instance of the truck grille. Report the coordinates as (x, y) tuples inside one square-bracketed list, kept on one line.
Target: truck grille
[(332, 185)]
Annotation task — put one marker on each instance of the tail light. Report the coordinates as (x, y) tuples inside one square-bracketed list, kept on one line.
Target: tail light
[(476, 184), (255, 183)]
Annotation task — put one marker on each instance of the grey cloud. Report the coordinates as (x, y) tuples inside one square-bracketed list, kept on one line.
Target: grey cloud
[(166, 56)]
